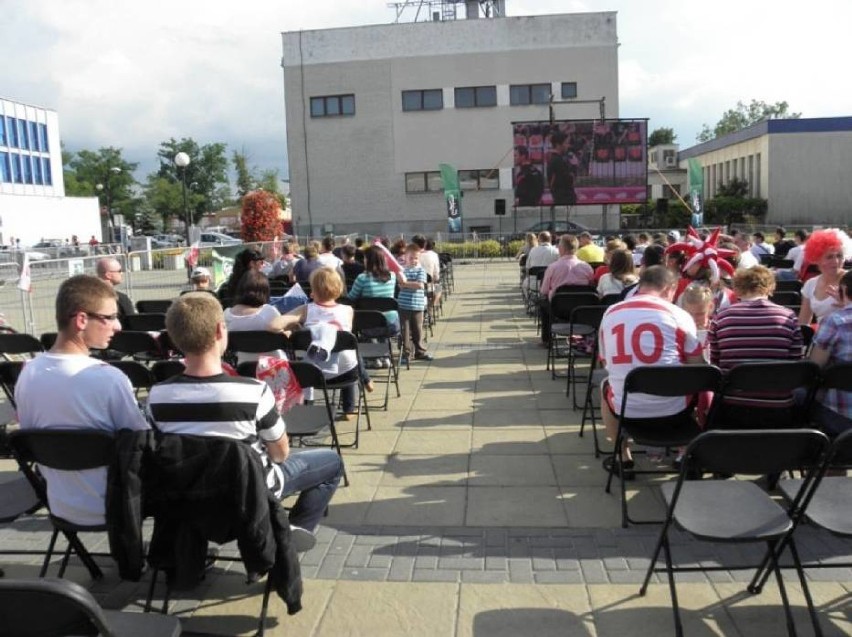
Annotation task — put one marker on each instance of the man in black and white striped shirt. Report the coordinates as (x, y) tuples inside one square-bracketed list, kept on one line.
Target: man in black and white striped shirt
[(204, 401)]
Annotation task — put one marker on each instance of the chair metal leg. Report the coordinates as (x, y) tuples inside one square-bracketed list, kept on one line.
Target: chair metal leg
[(788, 614), (806, 591), (261, 626), (672, 588), (660, 542), (150, 597), (49, 554), (64, 564)]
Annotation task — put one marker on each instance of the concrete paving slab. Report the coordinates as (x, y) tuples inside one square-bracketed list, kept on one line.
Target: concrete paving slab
[(517, 442), (513, 506), (508, 471), (505, 414), (418, 506), (431, 470), (419, 442)]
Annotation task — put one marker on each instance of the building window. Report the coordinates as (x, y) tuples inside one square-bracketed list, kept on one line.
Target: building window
[(12, 127), (333, 106), (17, 172), (476, 96), (42, 134), (34, 136), (48, 176), (526, 94), (569, 90), (423, 100), (28, 169), (485, 179), (2, 131), (5, 167), (423, 182), (37, 172), (23, 134)]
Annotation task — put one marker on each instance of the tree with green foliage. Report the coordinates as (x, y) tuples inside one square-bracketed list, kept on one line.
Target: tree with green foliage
[(744, 116), (735, 188), (245, 181), (206, 176), (104, 174), (268, 181), (662, 136)]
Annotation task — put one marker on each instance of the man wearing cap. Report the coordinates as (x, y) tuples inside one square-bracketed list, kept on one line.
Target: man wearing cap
[(201, 280), (589, 251)]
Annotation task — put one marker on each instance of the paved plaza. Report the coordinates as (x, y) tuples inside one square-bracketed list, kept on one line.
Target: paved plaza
[(475, 508)]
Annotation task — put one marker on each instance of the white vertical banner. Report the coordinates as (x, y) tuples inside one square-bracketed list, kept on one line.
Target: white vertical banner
[(25, 280)]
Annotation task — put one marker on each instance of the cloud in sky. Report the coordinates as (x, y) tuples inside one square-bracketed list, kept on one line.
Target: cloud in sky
[(133, 74)]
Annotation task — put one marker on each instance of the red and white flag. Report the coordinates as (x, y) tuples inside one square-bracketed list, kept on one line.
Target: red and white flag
[(192, 254), (276, 249), (25, 280), (390, 260)]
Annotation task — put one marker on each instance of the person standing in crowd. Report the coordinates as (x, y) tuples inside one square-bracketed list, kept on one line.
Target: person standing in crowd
[(833, 345), (529, 182), (827, 249), (111, 271), (560, 174), (412, 305), (66, 388), (431, 262), (204, 401)]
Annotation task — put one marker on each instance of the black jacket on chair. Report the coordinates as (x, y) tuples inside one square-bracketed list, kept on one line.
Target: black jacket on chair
[(197, 488)]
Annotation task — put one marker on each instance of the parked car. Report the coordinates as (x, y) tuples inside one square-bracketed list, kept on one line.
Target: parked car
[(209, 239), (50, 249), (556, 230)]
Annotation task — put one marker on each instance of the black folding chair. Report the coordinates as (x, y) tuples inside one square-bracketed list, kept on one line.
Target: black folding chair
[(17, 498), (163, 370), (36, 608), (739, 511), (47, 339), (788, 298), (582, 337), (65, 450), (158, 306), (594, 379), (377, 346), (145, 322), (562, 304), (18, 344), (793, 285), (141, 346), (9, 372), (256, 342), (380, 304), (141, 378), (769, 380), (668, 432), (535, 274)]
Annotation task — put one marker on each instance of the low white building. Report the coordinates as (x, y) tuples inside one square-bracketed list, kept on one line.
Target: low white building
[(33, 205), (800, 166), (372, 111)]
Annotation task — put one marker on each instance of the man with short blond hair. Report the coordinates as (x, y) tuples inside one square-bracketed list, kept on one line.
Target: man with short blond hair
[(66, 388), (204, 401)]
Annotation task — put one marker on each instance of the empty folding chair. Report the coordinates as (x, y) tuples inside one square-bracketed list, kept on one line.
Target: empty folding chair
[(163, 370), (17, 498), (377, 347), (159, 306), (9, 372), (17, 344), (71, 610), (145, 322), (141, 378), (739, 511)]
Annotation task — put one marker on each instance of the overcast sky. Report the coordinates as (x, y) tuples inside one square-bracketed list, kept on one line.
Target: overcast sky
[(132, 74)]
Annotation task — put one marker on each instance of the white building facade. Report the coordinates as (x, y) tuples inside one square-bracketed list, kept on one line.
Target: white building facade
[(800, 166), (33, 205), (372, 111)]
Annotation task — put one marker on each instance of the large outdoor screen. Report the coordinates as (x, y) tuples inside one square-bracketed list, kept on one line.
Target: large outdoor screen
[(580, 162)]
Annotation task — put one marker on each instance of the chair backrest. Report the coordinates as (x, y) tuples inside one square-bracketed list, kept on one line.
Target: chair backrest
[(758, 452), (146, 322), (537, 271), (308, 374), (793, 285), (787, 298), (140, 376), (588, 315), (38, 607), (841, 450), (807, 335), (130, 342), (610, 299), (380, 304), (300, 340), (64, 449), (777, 377), (563, 303), (368, 320), (575, 289), (163, 370), (9, 372), (257, 341), (17, 343), (672, 380), (47, 339), (159, 306)]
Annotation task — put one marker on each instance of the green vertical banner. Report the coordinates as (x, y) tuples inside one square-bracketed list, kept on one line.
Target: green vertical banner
[(452, 195), (696, 188)]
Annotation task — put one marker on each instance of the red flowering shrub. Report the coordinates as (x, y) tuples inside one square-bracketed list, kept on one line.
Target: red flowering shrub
[(259, 216)]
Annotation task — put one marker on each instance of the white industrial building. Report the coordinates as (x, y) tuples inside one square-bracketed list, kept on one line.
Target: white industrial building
[(33, 205), (800, 166), (372, 111)]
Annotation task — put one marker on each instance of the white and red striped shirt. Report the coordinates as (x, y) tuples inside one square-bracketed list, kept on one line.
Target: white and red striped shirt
[(645, 330)]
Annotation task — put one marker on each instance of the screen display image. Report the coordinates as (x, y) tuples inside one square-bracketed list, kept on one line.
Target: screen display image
[(580, 162)]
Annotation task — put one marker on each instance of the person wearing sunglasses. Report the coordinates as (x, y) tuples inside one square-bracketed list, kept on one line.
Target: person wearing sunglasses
[(66, 388), (111, 271)]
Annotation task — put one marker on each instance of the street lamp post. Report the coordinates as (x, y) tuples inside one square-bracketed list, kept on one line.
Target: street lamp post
[(107, 190), (182, 161)]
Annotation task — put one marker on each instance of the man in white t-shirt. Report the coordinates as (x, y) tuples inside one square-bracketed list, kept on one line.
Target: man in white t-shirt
[(67, 389), (540, 256), (646, 329), (431, 262), (747, 259)]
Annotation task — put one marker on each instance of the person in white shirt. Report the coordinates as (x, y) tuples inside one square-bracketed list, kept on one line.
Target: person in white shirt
[(646, 329), (540, 256), (65, 388), (747, 258), (760, 247), (431, 262)]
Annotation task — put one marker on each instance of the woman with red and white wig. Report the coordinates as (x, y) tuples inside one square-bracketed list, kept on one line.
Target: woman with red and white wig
[(827, 249), (703, 262)]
